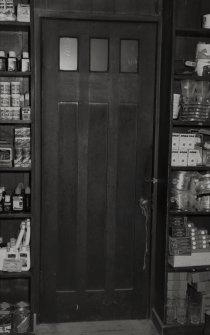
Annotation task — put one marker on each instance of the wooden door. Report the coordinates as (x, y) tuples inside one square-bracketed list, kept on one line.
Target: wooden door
[(98, 86)]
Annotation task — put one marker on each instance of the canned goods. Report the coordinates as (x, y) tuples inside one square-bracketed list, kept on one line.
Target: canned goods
[(4, 87), (15, 100), (4, 100), (15, 87)]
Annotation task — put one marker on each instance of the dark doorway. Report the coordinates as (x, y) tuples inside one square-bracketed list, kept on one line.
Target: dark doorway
[(98, 98)]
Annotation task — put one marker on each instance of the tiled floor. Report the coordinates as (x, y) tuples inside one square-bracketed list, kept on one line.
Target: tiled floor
[(127, 327)]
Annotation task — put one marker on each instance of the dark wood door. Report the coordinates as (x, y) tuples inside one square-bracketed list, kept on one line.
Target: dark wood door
[(98, 86)]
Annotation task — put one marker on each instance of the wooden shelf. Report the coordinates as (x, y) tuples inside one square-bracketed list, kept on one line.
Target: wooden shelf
[(178, 123), (14, 169), (22, 274), (201, 32), (15, 74), (15, 216), (192, 76), (188, 269), (14, 26), (8, 122), (190, 168), (188, 213)]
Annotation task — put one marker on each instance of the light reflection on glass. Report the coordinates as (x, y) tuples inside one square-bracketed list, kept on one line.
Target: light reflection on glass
[(129, 56), (68, 54)]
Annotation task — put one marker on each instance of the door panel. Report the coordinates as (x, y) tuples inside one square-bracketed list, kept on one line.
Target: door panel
[(97, 136)]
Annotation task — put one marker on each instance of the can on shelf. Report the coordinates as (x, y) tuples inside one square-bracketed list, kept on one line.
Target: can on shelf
[(5, 87), (15, 87), (15, 100), (5, 100)]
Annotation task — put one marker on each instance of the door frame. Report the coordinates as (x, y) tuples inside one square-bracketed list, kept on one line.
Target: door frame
[(37, 52)]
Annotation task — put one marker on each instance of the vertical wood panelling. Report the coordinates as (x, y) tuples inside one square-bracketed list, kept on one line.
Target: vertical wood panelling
[(97, 194), (95, 147), (125, 195), (67, 194)]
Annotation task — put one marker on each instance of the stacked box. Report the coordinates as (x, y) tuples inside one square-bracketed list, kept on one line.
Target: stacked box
[(22, 144), (186, 149), (200, 283)]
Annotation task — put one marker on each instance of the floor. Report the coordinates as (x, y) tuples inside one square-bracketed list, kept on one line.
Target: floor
[(127, 327)]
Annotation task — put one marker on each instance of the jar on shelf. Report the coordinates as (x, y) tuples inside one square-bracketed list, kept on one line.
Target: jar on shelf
[(181, 311), (171, 311), (12, 61), (3, 61), (21, 318), (25, 62)]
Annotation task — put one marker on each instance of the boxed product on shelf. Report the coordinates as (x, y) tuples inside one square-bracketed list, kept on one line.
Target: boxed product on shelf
[(9, 113), (195, 259), (174, 285), (22, 144), (7, 10), (186, 149), (26, 113), (6, 153), (179, 246), (178, 276), (23, 13), (177, 293), (200, 276)]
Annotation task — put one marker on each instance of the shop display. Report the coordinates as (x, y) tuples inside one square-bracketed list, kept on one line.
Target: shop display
[(16, 83)]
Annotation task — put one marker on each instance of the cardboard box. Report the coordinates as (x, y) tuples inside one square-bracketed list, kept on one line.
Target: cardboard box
[(195, 259), (175, 158), (175, 141)]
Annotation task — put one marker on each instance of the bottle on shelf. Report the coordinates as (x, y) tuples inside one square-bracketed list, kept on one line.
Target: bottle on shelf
[(25, 248), (2, 195), (25, 62), (12, 61), (17, 199), (3, 61), (7, 203), (27, 200)]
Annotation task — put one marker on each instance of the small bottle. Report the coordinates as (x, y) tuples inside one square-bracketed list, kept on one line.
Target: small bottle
[(17, 199), (7, 203), (2, 194), (27, 200), (25, 62), (3, 61), (12, 61)]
